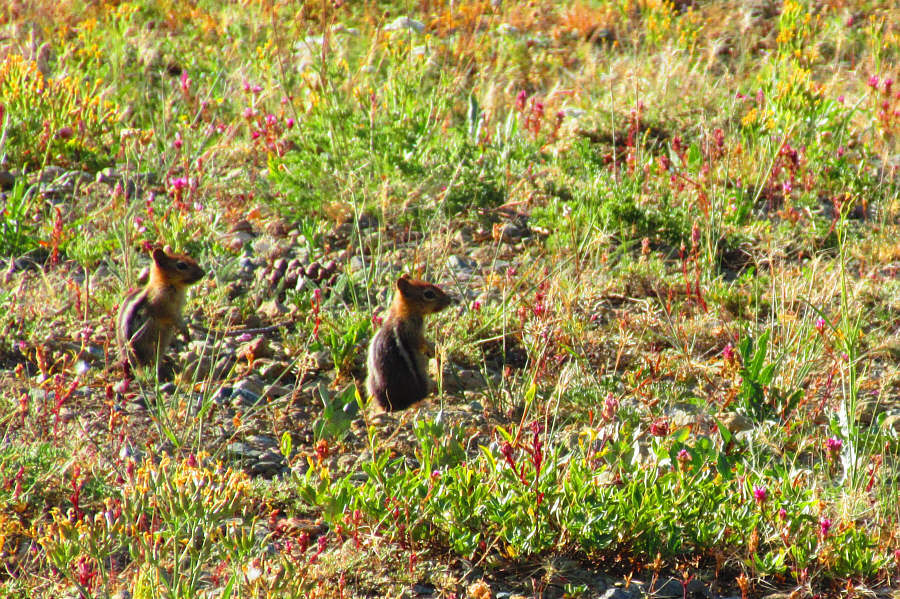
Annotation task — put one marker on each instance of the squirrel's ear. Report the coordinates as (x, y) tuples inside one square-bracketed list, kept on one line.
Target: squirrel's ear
[(158, 255), (403, 283)]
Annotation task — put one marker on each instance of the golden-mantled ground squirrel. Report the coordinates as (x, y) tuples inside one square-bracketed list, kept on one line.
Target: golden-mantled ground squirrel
[(150, 317), (398, 366)]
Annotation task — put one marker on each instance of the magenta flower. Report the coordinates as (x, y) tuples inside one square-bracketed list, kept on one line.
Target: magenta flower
[(787, 187), (683, 456), (887, 85), (840, 152), (289, 122), (178, 142), (610, 407), (659, 427), (185, 83), (728, 353), (833, 444), (179, 184), (271, 120), (840, 99), (476, 305), (256, 89), (759, 494), (248, 113), (873, 81), (507, 451), (520, 100), (820, 325), (824, 526), (782, 513)]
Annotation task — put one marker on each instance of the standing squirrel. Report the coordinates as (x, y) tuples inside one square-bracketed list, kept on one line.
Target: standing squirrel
[(397, 364), (149, 317)]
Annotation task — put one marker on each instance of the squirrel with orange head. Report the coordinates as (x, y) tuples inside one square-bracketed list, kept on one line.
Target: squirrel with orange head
[(150, 317), (398, 352)]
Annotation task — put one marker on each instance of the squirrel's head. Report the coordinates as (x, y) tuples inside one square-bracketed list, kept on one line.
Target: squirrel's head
[(177, 268), (426, 297)]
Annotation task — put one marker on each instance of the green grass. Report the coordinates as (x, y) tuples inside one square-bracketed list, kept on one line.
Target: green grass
[(672, 229)]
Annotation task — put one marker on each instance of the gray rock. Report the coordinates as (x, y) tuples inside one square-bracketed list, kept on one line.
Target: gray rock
[(621, 593), (56, 192), (51, 173), (108, 176), (239, 240), (197, 367), (275, 369), (241, 398), (401, 23), (465, 379), (262, 441), (673, 588), (736, 423), (511, 232), (291, 277), (128, 451), (266, 468), (460, 264), (356, 264), (242, 451), (272, 309), (681, 419), (278, 391), (247, 263), (224, 365), (137, 405), (322, 360), (346, 462), (223, 395)]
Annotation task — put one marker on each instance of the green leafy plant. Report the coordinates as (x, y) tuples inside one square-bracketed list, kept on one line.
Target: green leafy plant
[(759, 397)]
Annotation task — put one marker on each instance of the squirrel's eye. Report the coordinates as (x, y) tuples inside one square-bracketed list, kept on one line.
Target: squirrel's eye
[(181, 265), (429, 294)]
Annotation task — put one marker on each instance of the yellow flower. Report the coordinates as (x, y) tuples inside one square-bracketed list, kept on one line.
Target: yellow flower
[(749, 118)]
